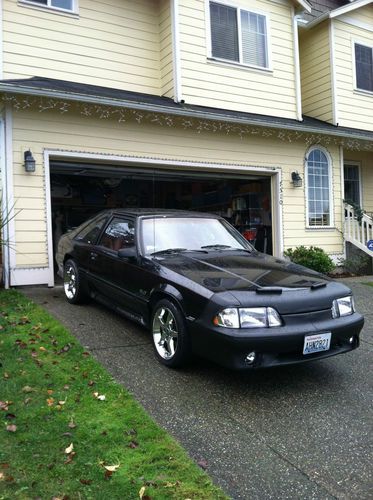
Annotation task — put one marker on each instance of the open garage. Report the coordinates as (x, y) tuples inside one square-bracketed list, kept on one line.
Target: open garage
[(81, 189)]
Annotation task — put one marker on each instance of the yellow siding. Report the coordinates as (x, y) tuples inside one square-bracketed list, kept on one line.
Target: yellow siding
[(166, 60), (355, 108), (115, 43), (227, 86), (73, 132), (316, 77)]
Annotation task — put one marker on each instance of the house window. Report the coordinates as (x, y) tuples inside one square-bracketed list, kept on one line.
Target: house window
[(238, 35), (54, 4), (364, 67), (318, 189), (352, 183)]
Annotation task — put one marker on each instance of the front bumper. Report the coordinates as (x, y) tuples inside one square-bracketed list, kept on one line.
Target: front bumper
[(275, 346)]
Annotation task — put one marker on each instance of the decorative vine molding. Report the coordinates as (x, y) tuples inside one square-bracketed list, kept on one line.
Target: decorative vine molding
[(122, 115)]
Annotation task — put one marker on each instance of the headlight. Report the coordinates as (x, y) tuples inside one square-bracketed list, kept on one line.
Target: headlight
[(248, 317), (343, 306)]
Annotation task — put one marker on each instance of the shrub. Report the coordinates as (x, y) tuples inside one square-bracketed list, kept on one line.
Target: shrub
[(313, 257), (356, 264)]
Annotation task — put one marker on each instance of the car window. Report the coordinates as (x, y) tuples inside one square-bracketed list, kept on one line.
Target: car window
[(119, 234), (188, 233), (90, 233)]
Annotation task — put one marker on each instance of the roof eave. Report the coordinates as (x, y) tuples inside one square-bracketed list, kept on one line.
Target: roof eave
[(175, 111), (305, 5), (338, 12)]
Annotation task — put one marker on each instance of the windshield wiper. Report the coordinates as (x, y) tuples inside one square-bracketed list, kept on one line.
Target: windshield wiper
[(225, 247), (216, 247), (176, 250)]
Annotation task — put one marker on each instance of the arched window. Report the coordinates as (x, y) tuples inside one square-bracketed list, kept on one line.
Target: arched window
[(318, 188)]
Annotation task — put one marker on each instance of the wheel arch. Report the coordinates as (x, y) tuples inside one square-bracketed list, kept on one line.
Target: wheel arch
[(166, 291)]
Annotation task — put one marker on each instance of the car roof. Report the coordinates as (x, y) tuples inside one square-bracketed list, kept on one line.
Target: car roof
[(160, 212)]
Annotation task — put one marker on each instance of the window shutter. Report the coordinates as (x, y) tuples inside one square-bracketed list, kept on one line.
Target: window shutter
[(224, 38), (254, 39), (364, 67)]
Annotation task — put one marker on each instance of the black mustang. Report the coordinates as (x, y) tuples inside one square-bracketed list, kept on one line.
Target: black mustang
[(201, 287)]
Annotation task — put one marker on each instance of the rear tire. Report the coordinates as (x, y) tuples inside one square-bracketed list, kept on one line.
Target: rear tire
[(72, 283), (171, 339)]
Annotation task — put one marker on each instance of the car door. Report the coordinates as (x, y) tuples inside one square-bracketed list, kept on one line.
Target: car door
[(113, 277)]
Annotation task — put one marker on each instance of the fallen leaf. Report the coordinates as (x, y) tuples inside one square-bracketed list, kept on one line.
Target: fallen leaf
[(11, 428), (2, 476), (50, 391), (108, 474), (4, 465), (24, 320), (85, 481), (95, 394), (85, 354), (133, 445), (141, 492), (72, 424), (27, 388), (202, 464), (67, 434), (66, 387), (27, 401), (41, 348), (62, 402), (90, 383), (70, 457), (112, 468), (69, 449), (101, 397), (10, 416), (4, 405), (5, 375), (50, 401)]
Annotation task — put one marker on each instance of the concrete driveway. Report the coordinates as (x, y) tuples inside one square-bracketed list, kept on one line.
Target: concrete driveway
[(301, 432)]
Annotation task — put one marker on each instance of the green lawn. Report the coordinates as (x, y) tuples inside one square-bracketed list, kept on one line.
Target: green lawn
[(64, 420), (368, 283)]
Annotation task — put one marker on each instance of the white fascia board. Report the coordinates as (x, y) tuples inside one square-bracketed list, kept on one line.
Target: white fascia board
[(306, 6), (12, 88), (349, 7)]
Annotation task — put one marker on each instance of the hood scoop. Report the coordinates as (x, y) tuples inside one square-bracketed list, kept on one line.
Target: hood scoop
[(269, 289)]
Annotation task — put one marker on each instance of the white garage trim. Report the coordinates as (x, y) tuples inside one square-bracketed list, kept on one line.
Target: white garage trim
[(46, 275)]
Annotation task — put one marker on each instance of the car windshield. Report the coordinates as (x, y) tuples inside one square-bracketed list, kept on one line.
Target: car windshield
[(193, 233)]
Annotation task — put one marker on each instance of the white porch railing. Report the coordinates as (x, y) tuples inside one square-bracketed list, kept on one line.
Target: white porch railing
[(358, 232)]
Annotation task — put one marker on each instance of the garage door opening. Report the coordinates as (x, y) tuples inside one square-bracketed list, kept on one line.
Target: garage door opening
[(80, 190)]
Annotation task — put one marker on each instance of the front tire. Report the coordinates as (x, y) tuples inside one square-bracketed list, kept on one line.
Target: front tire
[(72, 283), (171, 339)]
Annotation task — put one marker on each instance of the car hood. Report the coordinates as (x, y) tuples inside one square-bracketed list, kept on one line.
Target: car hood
[(290, 287)]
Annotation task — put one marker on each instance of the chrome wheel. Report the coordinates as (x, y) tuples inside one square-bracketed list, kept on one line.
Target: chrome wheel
[(165, 332), (69, 281)]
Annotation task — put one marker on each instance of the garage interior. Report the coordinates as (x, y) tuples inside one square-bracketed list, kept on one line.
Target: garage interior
[(80, 190)]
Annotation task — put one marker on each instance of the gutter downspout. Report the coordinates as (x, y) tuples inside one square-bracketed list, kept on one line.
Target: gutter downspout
[(4, 199), (298, 86), (176, 50)]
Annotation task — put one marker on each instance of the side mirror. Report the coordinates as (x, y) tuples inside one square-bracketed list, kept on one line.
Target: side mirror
[(127, 253)]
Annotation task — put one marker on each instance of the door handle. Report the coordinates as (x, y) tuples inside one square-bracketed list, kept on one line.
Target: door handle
[(94, 255)]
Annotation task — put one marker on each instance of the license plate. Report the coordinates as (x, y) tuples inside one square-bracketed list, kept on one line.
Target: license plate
[(316, 343)]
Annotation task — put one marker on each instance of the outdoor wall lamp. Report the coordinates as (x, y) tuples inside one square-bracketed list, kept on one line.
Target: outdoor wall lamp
[(29, 161), (296, 179)]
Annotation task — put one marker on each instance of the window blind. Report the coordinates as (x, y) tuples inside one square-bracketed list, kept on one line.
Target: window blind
[(224, 32), (254, 39), (364, 67)]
